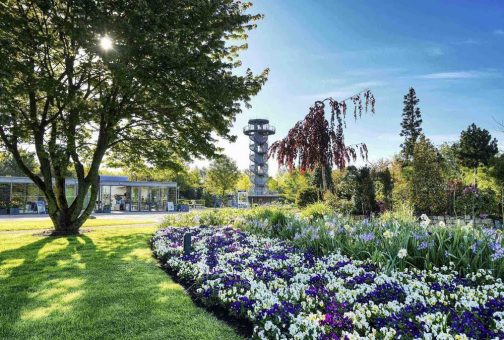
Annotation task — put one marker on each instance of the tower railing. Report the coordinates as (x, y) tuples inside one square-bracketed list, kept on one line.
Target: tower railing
[(258, 148), (264, 128), (258, 160)]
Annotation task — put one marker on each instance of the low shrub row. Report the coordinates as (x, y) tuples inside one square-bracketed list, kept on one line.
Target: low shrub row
[(288, 293)]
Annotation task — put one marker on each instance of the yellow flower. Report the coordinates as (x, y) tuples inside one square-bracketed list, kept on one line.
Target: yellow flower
[(388, 234)]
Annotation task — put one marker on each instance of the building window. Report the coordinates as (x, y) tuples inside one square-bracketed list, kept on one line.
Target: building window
[(5, 189)]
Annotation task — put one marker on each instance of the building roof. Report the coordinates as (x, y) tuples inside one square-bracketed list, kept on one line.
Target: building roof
[(104, 180)]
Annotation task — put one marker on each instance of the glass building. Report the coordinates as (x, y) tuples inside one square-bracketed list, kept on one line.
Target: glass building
[(116, 193)]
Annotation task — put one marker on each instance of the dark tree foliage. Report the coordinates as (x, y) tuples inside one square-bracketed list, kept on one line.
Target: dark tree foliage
[(165, 84), (385, 178), (316, 141), (476, 147), (317, 180), (9, 166), (363, 195), (306, 196), (427, 183), (411, 122), (497, 170)]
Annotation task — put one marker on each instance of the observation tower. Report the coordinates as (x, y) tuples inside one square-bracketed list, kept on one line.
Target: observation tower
[(258, 131)]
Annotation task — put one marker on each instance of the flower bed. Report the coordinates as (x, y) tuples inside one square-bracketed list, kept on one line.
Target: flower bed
[(288, 293), (393, 245), (392, 242)]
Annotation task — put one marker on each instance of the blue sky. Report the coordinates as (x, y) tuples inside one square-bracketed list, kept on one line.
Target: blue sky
[(451, 52)]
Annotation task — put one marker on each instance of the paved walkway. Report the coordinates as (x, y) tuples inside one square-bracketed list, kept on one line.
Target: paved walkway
[(41, 231), (113, 215), (145, 219)]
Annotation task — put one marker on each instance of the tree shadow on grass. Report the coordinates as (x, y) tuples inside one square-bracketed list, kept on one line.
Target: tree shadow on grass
[(31, 283), (105, 285), (138, 301)]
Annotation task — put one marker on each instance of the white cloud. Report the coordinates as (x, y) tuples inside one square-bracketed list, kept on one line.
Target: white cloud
[(435, 51), (365, 53), (468, 42), (499, 32), (375, 72), (346, 91), (461, 75)]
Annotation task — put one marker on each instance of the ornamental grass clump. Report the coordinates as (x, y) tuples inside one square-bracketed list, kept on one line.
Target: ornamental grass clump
[(289, 293)]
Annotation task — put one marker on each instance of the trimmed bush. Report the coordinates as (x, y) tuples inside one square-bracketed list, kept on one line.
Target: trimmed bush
[(306, 196)]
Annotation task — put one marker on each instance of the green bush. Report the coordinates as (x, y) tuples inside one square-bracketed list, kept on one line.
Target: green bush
[(339, 205), (306, 196), (316, 211), (484, 201), (225, 216), (402, 213)]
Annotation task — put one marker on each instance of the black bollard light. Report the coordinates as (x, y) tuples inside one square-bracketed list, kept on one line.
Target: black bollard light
[(187, 243)]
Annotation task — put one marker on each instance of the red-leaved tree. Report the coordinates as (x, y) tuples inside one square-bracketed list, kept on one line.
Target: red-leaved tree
[(317, 142)]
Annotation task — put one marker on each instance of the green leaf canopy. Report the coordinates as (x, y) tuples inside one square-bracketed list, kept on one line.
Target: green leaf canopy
[(145, 79)]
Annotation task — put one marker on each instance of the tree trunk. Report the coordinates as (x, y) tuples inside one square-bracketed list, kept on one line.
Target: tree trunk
[(324, 179), (64, 224), (474, 203), (454, 207), (68, 219), (473, 214), (502, 204)]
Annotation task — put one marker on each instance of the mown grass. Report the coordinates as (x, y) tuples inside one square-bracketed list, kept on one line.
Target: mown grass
[(46, 223), (100, 285)]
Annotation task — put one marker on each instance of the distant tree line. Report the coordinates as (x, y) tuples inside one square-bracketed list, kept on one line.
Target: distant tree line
[(465, 177)]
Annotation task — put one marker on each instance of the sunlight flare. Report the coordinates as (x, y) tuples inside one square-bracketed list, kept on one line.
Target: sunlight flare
[(106, 43)]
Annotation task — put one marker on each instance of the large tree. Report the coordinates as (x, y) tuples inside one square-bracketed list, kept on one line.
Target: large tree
[(244, 183), (289, 183), (9, 166), (222, 176), (411, 124), (476, 147), (384, 182), (316, 142), (149, 79), (428, 185), (362, 189)]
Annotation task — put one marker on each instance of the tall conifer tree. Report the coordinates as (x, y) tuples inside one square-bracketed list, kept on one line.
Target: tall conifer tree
[(411, 124)]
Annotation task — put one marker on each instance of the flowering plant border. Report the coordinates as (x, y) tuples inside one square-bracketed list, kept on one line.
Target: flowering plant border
[(288, 293)]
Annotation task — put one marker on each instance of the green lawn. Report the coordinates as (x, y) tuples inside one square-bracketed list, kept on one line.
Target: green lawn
[(46, 223), (103, 284)]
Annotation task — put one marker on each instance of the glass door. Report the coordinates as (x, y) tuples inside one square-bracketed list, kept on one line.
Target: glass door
[(156, 201), (145, 199), (135, 198)]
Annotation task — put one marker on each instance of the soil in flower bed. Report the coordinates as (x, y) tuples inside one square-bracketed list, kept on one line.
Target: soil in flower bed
[(287, 293)]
